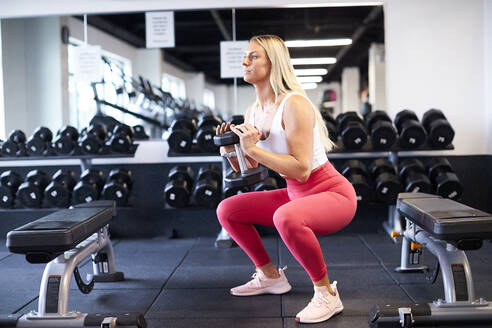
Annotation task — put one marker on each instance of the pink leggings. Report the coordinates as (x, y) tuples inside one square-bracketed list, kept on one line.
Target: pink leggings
[(324, 204)]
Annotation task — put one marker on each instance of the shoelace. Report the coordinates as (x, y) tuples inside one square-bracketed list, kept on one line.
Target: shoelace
[(320, 300), (257, 279)]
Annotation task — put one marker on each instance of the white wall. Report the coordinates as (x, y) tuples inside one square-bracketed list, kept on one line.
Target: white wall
[(488, 71), (435, 59), (32, 73), (377, 77), (350, 89)]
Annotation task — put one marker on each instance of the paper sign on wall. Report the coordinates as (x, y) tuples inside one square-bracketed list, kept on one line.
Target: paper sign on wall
[(231, 58), (159, 29), (88, 64)]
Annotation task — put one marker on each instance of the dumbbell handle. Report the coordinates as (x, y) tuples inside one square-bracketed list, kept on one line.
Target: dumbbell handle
[(240, 158)]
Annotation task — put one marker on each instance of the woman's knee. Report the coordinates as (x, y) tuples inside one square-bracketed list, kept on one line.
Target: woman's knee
[(286, 221)]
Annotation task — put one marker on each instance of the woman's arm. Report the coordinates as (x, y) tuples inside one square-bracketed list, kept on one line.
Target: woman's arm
[(250, 163), (299, 121)]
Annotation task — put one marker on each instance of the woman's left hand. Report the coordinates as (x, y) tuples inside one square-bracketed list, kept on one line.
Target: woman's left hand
[(248, 136)]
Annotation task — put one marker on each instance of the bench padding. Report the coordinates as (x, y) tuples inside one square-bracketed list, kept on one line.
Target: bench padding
[(445, 218), (59, 231)]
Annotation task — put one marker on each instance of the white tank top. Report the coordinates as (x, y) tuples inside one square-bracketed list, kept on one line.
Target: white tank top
[(277, 142)]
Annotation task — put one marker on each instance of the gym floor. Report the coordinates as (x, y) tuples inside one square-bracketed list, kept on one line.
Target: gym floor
[(185, 282)]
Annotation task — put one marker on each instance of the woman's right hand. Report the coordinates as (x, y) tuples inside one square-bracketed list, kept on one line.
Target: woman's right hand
[(220, 130)]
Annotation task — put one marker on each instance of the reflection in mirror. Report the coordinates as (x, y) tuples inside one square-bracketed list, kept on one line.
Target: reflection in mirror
[(337, 53)]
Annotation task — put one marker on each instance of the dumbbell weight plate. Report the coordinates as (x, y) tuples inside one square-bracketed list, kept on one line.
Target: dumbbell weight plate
[(207, 193), (448, 185), (117, 192), (362, 189), (418, 182), (177, 193), (383, 135), (226, 139), (9, 148), (441, 133), (85, 192), (6, 197), (353, 135), (181, 137), (412, 135), (35, 146), (232, 191), (268, 184), (387, 187), (250, 177), (57, 195), (30, 195)]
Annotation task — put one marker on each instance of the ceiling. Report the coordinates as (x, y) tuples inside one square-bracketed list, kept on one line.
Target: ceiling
[(198, 34)]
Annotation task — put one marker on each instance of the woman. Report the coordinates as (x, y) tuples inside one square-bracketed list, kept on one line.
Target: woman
[(286, 133)]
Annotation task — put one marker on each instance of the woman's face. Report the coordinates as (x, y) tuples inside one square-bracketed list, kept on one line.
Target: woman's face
[(256, 64)]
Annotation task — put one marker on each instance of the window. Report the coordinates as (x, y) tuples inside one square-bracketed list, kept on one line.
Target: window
[(117, 73), (209, 98), (174, 85)]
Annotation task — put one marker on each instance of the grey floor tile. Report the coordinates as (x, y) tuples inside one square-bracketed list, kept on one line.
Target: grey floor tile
[(362, 276), (339, 321), (210, 276), (117, 300), (212, 303), (238, 322), (14, 297), (357, 301)]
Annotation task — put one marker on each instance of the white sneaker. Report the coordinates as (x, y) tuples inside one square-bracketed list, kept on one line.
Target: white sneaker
[(261, 284), (322, 307)]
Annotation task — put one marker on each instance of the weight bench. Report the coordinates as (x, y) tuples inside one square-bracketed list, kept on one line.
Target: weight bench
[(63, 240), (447, 229)]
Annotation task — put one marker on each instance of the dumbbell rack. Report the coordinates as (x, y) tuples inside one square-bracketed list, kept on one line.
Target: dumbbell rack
[(85, 163)]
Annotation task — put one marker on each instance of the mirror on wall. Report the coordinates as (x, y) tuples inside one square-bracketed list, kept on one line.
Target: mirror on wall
[(337, 53)]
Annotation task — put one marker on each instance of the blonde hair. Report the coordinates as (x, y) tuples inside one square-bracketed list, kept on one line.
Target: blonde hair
[(283, 79)]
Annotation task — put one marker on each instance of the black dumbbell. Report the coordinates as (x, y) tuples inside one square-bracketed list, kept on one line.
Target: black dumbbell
[(386, 183), (356, 173), (383, 134), (444, 179), (39, 141), (351, 128), (207, 190), (140, 133), (268, 184), (181, 137), (9, 183), (14, 145), (439, 131), (231, 191), (58, 193), (413, 175), (331, 126), (411, 133), (237, 119), (66, 140), (118, 186), (177, 191), (30, 192), (92, 139), (206, 132), (89, 186), (121, 138), (246, 177)]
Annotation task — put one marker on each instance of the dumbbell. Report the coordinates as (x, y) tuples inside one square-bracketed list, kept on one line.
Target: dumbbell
[(58, 192), (386, 183), (30, 192), (206, 132), (352, 130), (246, 177), (237, 119), (9, 183), (89, 186), (438, 128), (331, 126), (39, 142), (411, 133), (356, 173), (381, 130), (118, 186), (412, 173), (181, 137), (207, 190), (270, 183), (66, 140), (444, 179), (92, 139), (121, 138), (177, 191), (140, 133), (15, 144)]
